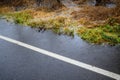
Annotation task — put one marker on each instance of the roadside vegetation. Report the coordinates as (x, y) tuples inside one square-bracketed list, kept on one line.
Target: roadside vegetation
[(94, 24), (22, 17), (59, 25), (101, 34), (41, 21)]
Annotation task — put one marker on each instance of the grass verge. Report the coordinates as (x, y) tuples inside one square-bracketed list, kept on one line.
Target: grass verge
[(21, 17), (106, 33), (102, 34)]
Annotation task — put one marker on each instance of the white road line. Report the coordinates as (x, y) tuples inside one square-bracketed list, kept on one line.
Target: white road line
[(64, 59)]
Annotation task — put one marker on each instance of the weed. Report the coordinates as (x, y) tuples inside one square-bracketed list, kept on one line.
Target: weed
[(68, 31), (20, 17)]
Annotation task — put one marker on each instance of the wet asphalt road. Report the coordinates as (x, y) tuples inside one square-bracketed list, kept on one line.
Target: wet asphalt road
[(19, 63)]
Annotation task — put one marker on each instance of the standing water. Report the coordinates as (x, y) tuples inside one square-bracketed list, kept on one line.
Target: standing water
[(103, 56)]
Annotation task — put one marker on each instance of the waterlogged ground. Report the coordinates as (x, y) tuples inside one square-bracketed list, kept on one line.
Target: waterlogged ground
[(19, 63), (64, 21)]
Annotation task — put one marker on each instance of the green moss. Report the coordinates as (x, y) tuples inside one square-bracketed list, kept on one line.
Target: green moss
[(112, 39), (102, 34), (111, 29)]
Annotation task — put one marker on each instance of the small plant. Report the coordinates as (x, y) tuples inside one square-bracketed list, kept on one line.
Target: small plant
[(68, 31), (20, 17)]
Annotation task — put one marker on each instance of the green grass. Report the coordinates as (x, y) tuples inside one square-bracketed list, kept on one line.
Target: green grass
[(20, 17), (102, 34)]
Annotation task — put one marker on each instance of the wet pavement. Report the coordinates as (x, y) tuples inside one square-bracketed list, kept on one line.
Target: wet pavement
[(19, 63)]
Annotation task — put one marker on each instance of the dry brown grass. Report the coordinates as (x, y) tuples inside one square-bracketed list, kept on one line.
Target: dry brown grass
[(92, 16), (4, 10), (42, 14), (38, 13), (93, 13)]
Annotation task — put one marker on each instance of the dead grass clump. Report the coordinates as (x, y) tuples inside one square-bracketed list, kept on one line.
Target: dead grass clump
[(93, 13), (4, 10), (44, 9), (113, 21), (116, 11), (42, 14)]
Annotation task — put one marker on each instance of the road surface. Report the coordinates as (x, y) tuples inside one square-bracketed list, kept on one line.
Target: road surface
[(47, 56)]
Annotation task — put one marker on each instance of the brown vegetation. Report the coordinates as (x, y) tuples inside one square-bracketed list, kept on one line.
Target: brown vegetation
[(96, 24), (15, 2), (91, 15), (40, 3), (5, 9)]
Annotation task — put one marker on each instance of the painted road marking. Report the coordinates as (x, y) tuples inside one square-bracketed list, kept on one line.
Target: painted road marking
[(64, 59)]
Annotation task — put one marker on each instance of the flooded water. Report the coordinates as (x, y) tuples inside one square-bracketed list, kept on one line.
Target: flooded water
[(102, 56)]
